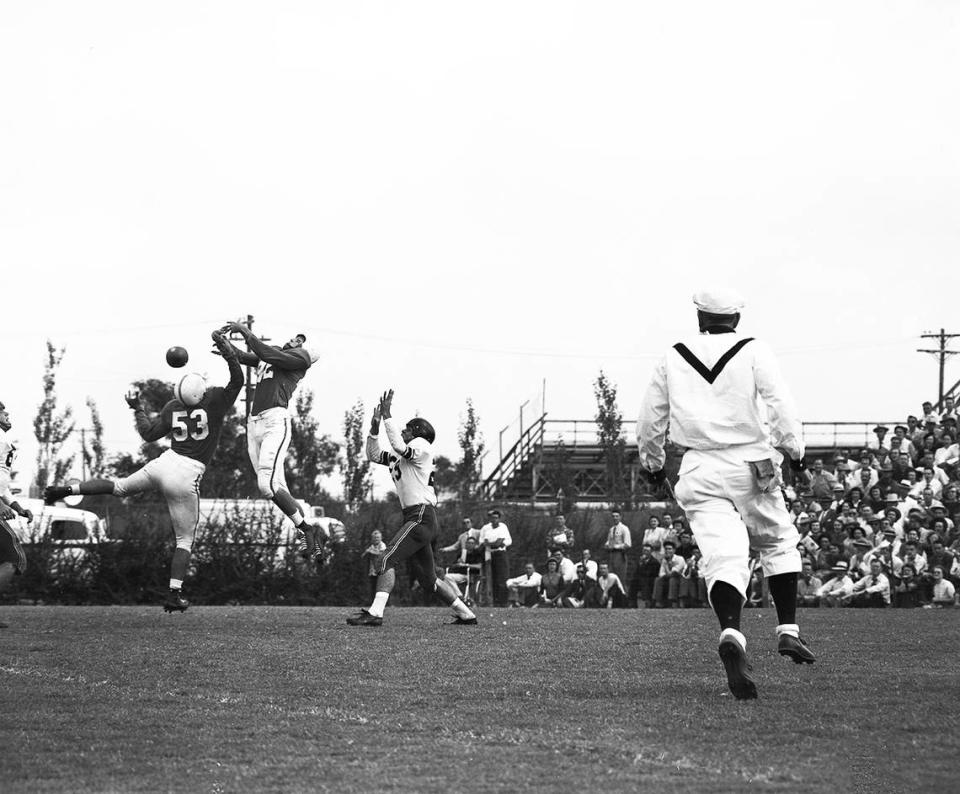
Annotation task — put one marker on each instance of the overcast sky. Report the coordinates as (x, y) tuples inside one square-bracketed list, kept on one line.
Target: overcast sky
[(462, 200)]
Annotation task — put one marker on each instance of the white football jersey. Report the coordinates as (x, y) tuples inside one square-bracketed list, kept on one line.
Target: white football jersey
[(8, 454), (411, 466)]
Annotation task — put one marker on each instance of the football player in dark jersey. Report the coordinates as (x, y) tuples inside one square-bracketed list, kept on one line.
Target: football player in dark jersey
[(279, 370), (193, 420)]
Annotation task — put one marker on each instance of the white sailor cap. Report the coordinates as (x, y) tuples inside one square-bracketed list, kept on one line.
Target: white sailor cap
[(719, 301)]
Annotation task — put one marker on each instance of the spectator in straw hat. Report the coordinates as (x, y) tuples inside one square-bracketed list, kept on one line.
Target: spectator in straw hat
[(879, 442), (836, 590)]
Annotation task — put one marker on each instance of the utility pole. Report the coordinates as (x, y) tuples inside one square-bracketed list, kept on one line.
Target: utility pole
[(249, 384), (942, 353)]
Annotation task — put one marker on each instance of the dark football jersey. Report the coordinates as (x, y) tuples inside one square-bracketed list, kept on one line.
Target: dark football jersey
[(278, 380), (194, 431)]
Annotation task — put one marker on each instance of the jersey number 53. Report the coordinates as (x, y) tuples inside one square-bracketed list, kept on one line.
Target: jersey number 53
[(190, 424)]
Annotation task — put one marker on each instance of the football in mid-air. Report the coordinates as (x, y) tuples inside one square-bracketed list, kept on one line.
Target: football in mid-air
[(177, 356)]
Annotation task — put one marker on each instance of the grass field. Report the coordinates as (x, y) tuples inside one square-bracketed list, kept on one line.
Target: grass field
[(225, 699)]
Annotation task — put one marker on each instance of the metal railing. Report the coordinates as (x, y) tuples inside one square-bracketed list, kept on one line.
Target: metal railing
[(513, 459), (843, 434), (583, 432)]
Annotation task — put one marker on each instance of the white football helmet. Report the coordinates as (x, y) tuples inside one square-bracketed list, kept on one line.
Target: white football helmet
[(312, 351), (190, 389)]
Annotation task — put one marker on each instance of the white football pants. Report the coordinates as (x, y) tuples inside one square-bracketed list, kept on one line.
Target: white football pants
[(268, 437), (177, 477), (730, 515)]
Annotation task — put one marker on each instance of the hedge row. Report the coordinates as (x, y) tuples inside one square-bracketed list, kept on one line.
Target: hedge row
[(231, 566)]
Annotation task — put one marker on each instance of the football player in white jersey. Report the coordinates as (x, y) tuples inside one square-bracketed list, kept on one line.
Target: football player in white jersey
[(12, 559), (410, 461)]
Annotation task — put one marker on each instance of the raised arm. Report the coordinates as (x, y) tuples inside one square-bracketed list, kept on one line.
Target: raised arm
[(150, 428), (294, 358), (230, 355), (374, 453)]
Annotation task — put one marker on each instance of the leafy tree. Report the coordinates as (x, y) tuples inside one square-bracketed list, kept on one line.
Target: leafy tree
[(609, 421), (471, 444), (52, 428), (311, 455), (445, 476), (354, 466), (94, 453)]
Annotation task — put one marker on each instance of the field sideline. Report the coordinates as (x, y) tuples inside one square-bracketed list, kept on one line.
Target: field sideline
[(225, 699)]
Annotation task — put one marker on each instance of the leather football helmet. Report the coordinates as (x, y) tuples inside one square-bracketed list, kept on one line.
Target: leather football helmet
[(421, 428)]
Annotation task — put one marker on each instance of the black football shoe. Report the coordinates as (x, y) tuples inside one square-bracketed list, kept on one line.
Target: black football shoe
[(175, 602), (364, 618), (459, 621), (735, 663), (54, 493), (796, 649)]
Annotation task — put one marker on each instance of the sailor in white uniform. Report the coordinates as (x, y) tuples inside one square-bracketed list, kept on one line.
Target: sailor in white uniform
[(724, 400)]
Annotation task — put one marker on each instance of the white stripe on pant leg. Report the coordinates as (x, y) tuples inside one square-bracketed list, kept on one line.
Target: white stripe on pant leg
[(405, 530)]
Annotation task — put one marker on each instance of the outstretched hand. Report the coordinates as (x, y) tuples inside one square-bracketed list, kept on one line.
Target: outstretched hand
[(133, 398), (386, 401), (224, 348), (235, 327), (375, 421)]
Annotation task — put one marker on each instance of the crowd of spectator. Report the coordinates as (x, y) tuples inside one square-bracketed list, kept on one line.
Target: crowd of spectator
[(878, 526)]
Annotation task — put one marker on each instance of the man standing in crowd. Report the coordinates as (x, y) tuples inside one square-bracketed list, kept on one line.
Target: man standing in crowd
[(708, 390), (494, 540), (617, 546)]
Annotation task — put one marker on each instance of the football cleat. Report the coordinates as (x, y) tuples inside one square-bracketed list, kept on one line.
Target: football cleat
[(459, 621), (734, 660), (304, 544), (54, 493), (175, 602), (364, 618), (796, 649)]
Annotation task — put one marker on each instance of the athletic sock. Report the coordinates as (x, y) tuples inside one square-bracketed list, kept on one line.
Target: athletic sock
[(783, 590), (176, 584), (461, 610), (738, 636), (378, 605), (727, 604), (788, 628)]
